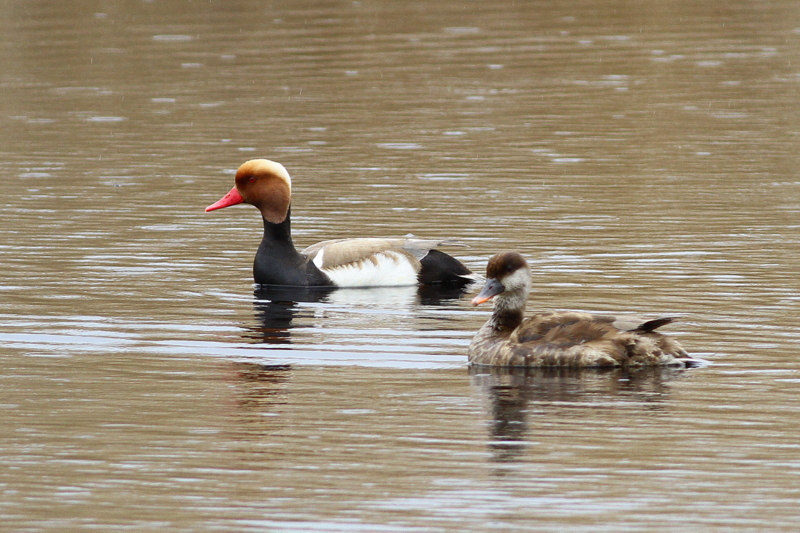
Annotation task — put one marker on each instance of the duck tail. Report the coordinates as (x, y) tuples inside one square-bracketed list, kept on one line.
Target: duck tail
[(652, 325)]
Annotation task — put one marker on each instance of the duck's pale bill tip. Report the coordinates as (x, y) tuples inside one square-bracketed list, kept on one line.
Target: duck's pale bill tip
[(480, 299)]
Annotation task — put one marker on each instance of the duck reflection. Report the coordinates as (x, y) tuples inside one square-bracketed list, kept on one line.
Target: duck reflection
[(260, 391), (441, 294), (514, 394), (276, 308)]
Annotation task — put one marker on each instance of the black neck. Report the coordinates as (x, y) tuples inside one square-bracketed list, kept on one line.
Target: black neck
[(279, 263), (280, 232)]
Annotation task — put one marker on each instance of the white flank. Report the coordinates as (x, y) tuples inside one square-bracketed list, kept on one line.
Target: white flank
[(318, 259), (390, 269)]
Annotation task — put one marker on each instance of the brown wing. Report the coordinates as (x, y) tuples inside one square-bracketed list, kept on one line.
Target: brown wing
[(563, 327), (340, 252), (574, 339)]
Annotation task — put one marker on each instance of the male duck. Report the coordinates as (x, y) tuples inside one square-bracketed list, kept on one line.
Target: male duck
[(562, 339), (362, 262)]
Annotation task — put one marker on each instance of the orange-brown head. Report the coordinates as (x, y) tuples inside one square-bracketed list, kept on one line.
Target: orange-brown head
[(264, 184)]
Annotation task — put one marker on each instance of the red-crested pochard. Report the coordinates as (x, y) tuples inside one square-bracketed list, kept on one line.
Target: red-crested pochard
[(562, 339), (363, 262)]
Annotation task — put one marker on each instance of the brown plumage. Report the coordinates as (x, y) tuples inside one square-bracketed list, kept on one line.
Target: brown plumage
[(562, 339)]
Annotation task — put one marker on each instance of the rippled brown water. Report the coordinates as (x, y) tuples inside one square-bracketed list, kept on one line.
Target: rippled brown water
[(641, 155)]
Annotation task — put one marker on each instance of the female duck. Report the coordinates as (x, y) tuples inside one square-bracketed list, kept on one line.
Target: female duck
[(366, 262), (562, 339)]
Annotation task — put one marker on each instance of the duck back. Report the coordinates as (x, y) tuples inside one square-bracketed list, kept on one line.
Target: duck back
[(576, 340)]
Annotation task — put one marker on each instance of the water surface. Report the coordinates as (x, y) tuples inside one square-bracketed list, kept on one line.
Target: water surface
[(641, 156)]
